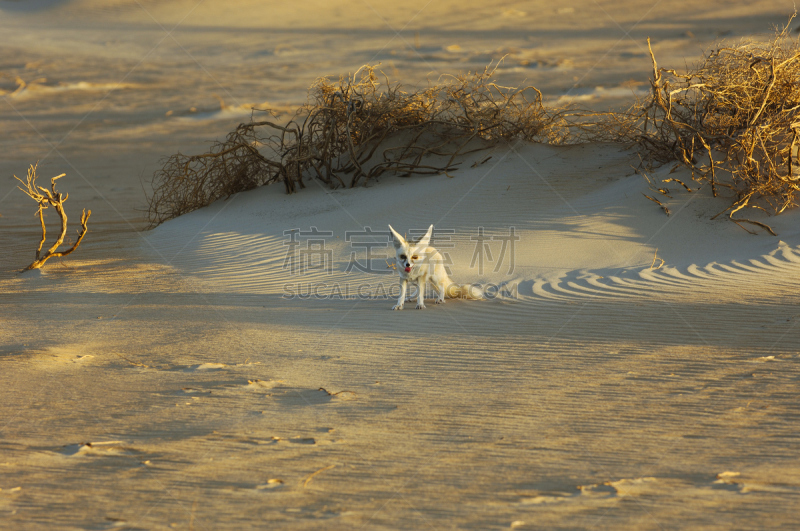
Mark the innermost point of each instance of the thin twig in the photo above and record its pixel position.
(655, 257)
(310, 477)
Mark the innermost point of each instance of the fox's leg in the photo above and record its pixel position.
(421, 295)
(402, 298)
(410, 295)
(438, 287)
(439, 281)
(440, 291)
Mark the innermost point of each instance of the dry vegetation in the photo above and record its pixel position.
(54, 198)
(732, 120)
(353, 131)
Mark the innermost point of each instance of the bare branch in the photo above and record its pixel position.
(53, 198)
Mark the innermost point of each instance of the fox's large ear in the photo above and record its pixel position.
(399, 241)
(425, 240)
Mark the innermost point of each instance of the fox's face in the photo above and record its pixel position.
(409, 254)
(406, 258)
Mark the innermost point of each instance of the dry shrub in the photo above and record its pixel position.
(353, 131)
(732, 120)
(50, 198)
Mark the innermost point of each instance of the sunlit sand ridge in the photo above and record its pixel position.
(240, 366)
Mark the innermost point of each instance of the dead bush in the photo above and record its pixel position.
(732, 120)
(351, 132)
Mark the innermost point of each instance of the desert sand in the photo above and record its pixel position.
(240, 366)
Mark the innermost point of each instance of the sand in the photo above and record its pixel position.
(239, 367)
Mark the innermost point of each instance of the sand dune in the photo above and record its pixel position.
(240, 366)
(584, 229)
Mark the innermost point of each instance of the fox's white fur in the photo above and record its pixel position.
(419, 263)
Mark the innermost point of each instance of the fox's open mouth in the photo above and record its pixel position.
(408, 269)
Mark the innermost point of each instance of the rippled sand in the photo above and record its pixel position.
(629, 371)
